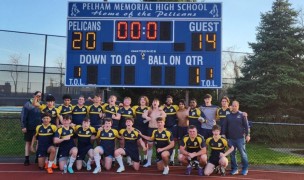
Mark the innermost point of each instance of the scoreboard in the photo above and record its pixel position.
(147, 44)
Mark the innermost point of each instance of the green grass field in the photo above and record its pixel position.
(12, 145)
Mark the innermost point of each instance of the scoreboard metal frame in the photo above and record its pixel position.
(146, 44)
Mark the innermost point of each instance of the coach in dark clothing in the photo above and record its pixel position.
(30, 118)
(235, 127)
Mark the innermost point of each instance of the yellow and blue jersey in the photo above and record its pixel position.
(161, 139)
(45, 134)
(130, 137)
(63, 132)
(93, 112)
(171, 118)
(64, 110)
(218, 146)
(107, 140)
(193, 144)
(109, 111)
(78, 114)
(125, 113)
(52, 111)
(84, 135)
(194, 115)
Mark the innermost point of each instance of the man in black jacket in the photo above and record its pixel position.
(30, 118)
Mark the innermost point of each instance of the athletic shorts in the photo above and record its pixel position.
(142, 129)
(64, 152)
(158, 155)
(82, 152)
(133, 153)
(214, 160)
(28, 136)
(42, 150)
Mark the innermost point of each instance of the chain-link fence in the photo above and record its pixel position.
(273, 146)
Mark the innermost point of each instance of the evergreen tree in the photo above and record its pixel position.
(273, 77)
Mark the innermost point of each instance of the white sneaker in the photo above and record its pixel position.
(147, 164)
(166, 171)
(120, 169)
(97, 170)
(89, 167)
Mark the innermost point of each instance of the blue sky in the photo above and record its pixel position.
(240, 20)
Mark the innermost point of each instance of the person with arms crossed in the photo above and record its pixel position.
(217, 158)
(235, 128)
(151, 115)
(193, 151)
(164, 145)
(67, 152)
(30, 119)
(46, 149)
(131, 137)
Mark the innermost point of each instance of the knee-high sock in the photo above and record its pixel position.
(149, 154)
(119, 160)
(97, 158)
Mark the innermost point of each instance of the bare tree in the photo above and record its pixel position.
(233, 62)
(60, 66)
(15, 62)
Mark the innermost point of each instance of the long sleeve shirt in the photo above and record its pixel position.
(235, 126)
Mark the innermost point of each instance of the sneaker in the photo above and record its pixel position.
(26, 162)
(166, 170)
(244, 172)
(54, 166)
(234, 172)
(200, 171)
(49, 170)
(70, 170)
(97, 170)
(89, 167)
(120, 169)
(171, 163)
(188, 170)
(84, 164)
(222, 171)
(144, 161)
(147, 165)
(217, 170)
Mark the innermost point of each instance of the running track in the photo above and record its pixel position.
(16, 171)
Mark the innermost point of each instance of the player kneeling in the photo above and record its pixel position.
(130, 136)
(85, 134)
(67, 149)
(193, 151)
(44, 135)
(107, 137)
(217, 159)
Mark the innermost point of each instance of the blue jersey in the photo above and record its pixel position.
(45, 134)
(93, 112)
(161, 139)
(171, 119)
(84, 135)
(107, 140)
(125, 113)
(78, 114)
(63, 132)
(194, 115)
